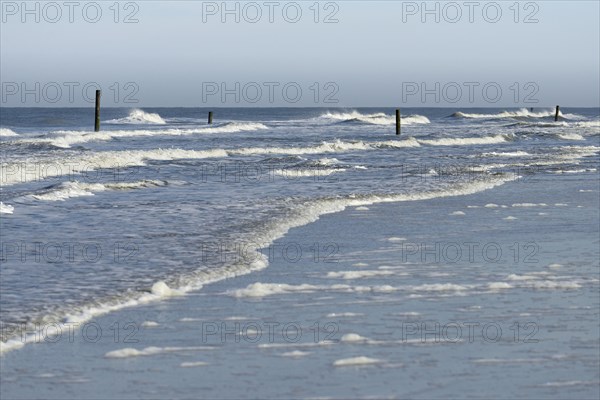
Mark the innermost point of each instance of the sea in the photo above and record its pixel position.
(300, 253)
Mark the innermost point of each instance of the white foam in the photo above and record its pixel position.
(558, 285)
(376, 118)
(506, 154)
(356, 361)
(457, 213)
(161, 289)
(360, 264)
(6, 208)
(193, 364)
(138, 116)
(5, 132)
(440, 287)
(499, 286)
(328, 161)
(259, 289)
(464, 141)
(362, 208)
(353, 338)
(307, 213)
(530, 205)
(523, 112)
(396, 239)
(292, 172)
(358, 274)
(588, 124)
(509, 218)
(129, 352)
(20, 172)
(68, 190)
(570, 136)
(65, 139)
(491, 205)
(344, 315)
(516, 277)
(150, 324)
(295, 354)
(570, 383)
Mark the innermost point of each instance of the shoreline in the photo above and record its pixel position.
(175, 329)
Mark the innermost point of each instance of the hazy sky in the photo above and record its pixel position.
(279, 53)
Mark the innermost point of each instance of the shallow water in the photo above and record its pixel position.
(493, 220)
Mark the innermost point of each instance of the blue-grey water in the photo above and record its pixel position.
(472, 217)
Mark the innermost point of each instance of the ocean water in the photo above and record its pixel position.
(391, 253)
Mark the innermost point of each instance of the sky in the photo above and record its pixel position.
(300, 54)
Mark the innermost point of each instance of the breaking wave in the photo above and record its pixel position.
(138, 116)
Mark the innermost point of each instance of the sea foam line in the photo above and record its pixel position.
(21, 172)
(303, 214)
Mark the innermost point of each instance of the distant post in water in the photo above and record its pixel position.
(97, 117)
(210, 117)
(556, 114)
(397, 121)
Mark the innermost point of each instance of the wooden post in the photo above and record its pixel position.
(556, 114)
(210, 117)
(97, 117)
(397, 121)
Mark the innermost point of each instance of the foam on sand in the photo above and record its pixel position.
(259, 289)
(356, 361)
(129, 352)
(357, 274)
(353, 338)
(301, 214)
(530, 205)
(295, 354)
(193, 364)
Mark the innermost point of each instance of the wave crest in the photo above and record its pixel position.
(5, 132)
(522, 113)
(375, 119)
(137, 116)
